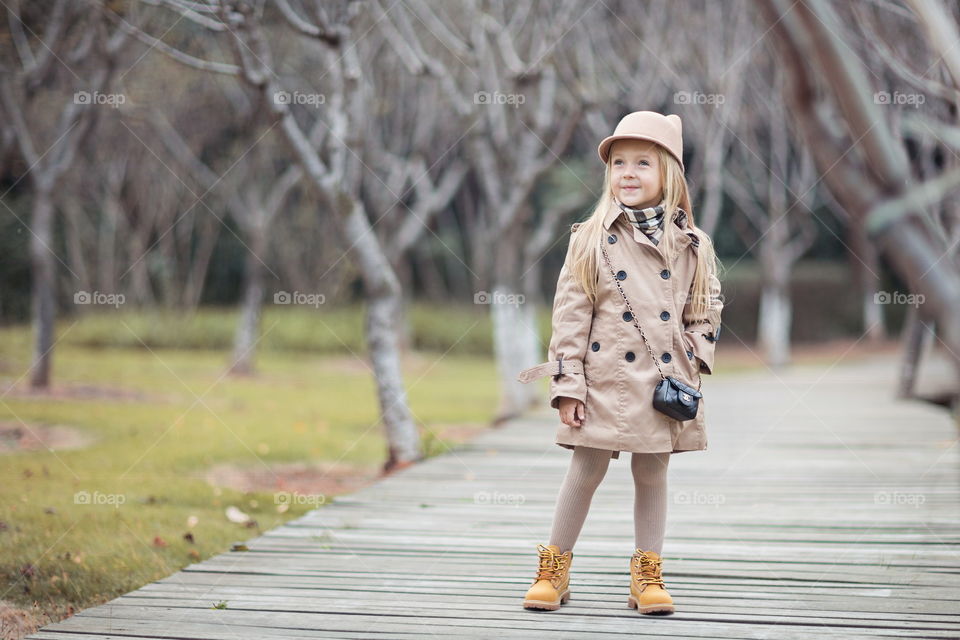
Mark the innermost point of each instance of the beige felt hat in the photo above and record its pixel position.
(667, 131)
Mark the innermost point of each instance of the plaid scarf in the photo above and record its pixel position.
(650, 219)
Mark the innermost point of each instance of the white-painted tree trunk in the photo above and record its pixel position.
(248, 327)
(774, 324)
(516, 346)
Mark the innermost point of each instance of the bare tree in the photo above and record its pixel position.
(774, 186)
(254, 200)
(864, 160)
(67, 56)
(502, 73)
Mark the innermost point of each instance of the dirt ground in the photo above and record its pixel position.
(18, 436)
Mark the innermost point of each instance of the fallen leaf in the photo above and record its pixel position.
(235, 515)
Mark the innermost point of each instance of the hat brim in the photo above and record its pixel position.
(604, 149)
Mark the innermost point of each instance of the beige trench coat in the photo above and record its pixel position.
(597, 355)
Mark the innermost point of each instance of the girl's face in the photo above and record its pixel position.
(635, 173)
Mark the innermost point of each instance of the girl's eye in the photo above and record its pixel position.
(644, 162)
(618, 162)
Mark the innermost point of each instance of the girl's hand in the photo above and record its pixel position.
(572, 412)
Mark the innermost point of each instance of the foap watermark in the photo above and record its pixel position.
(899, 498)
(299, 297)
(698, 97)
(907, 99)
(898, 297)
(109, 99)
(497, 97)
(699, 498)
(295, 497)
(298, 97)
(98, 498)
(498, 297)
(99, 298)
(498, 498)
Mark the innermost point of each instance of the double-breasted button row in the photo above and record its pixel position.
(665, 274)
(666, 357)
(630, 355)
(664, 315)
(612, 238)
(690, 355)
(621, 275)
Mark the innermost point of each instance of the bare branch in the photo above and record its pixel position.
(887, 159)
(172, 52)
(191, 11)
(943, 34)
(20, 41)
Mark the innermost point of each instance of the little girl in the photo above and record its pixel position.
(640, 240)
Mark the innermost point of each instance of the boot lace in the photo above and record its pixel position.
(647, 570)
(551, 564)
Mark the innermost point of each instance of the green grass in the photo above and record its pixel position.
(305, 405)
(463, 329)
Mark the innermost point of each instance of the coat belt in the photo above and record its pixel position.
(556, 367)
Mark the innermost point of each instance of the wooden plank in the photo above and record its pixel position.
(808, 516)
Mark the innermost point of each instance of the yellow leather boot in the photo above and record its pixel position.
(551, 587)
(647, 592)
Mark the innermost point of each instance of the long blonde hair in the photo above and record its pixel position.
(585, 253)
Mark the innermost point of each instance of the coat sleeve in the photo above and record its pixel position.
(703, 330)
(571, 323)
(572, 320)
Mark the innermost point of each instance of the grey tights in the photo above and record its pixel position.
(588, 466)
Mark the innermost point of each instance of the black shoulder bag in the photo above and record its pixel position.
(671, 397)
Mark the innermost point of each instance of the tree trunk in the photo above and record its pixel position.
(776, 309)
(866, 263)
(248, 328)
(44, 282)
(516, 343)
(912, 338)
(774, 322)
(384, 300)
(516, 346)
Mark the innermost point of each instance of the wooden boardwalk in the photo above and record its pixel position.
(823, 508)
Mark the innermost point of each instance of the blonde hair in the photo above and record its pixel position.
(585, 256)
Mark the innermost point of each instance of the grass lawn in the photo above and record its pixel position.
(82, 525)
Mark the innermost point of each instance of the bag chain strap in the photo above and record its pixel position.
(633, 316)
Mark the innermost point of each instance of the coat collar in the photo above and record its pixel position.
(683, 236)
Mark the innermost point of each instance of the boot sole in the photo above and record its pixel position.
(547, 606)
(654, 609)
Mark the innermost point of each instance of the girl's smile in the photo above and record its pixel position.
(635, 173)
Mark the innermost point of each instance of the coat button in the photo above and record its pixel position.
(621, 275)
(595, 346)
(627, 316)
(666, 357)
(664, 315)
(690, 354)
(665, 274)
(630, 356)
(611, 238)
